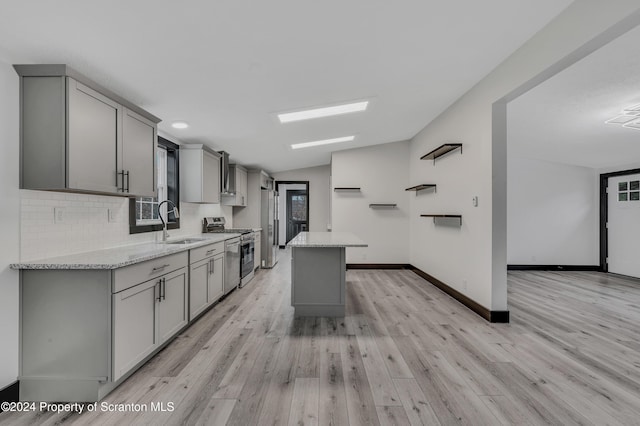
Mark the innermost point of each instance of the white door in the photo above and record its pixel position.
(624, 225)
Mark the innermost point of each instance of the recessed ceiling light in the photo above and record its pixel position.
(323, 112)
(179, 124)
(322, 142)
(621, 119)
(633, 125)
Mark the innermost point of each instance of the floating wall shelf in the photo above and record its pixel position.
(346, 189)
(441, 150)
(444, 216)
(382, 206)
(422, 186)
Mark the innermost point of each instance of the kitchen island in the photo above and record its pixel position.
(318, 269)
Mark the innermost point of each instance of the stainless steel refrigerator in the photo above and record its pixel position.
(270, 225)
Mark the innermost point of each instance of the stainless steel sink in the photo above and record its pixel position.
(185, 241)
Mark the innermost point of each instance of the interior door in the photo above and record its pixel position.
(297, 217)
(624, 225)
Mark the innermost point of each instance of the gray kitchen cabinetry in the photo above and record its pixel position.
(139, 140)
(206, 278)
(146, 316)
(237, 187)
(83, 331)
(77, 136)
(257, 253)
(199, 174)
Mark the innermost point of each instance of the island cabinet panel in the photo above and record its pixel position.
(318, 280)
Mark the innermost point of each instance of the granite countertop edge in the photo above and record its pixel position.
(324, 239)
(120, 256)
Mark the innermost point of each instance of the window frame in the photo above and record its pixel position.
(173, 190)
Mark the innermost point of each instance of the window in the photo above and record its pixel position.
(143, 211)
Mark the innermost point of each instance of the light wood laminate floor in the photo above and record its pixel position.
(405, 353)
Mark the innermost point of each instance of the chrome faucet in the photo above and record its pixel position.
(176, 213)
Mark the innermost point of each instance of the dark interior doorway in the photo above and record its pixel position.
(297, 213)
(294, 209)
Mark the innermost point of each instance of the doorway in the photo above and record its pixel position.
(297, 213)
(620, 223)
(293, 209)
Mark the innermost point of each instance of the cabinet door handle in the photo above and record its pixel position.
(164, 288)
(212, 266)
(126, 174)
(120, 174)
(159, 298)
(159, 268)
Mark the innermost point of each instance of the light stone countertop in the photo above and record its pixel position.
(119, 257)
(326, 239)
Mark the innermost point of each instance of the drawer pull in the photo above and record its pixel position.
(211, 251)
(159, 268)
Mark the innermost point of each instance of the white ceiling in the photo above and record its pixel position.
(563, 119)
(227, 66)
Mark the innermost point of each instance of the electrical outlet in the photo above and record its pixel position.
(58, 215)
(475, 201)
(111, 215)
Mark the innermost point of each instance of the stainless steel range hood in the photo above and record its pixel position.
(224, 173)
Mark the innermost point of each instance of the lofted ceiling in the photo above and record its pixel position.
(227, 66)
(563, 119)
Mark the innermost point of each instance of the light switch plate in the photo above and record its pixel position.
(475, 201)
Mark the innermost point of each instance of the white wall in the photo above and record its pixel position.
(319, 182)
(9, 223)
(473, 259)
(282, 209)
(552, 213)
(382, 173)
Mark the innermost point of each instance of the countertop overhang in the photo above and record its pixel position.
(326, 239)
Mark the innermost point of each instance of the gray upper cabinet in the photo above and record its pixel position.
(199, 174)
(78, 136)
(139, 136)
(92, 139)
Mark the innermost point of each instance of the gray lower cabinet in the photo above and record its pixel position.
(206, 278)
(82, 332)
(145, 317)
(257, 253)
(77, 136)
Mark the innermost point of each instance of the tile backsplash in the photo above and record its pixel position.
(57, 223)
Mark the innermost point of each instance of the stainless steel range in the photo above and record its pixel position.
(247, 249)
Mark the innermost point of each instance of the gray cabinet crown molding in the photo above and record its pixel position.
(62, 70)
